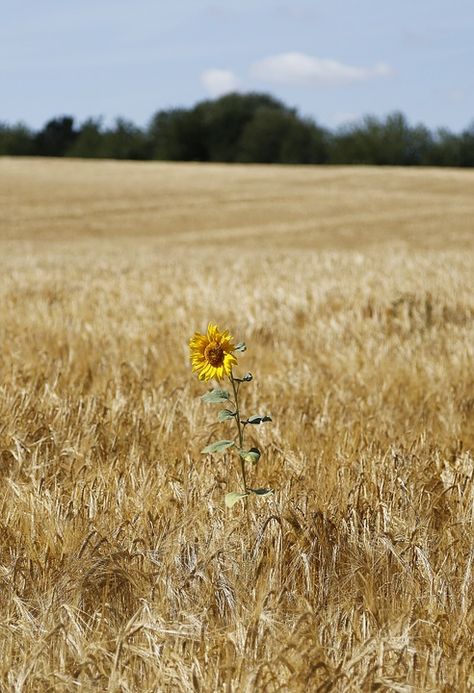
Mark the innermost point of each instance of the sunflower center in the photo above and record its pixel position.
(214, 354)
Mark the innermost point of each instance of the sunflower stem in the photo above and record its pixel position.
(239, 428)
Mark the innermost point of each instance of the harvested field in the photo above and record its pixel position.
(121, 569)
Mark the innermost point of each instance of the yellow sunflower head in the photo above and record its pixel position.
(211, 354)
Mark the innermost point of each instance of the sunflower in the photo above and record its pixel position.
(211, 354)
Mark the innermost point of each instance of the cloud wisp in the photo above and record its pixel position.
(299, 69)
(219, 82)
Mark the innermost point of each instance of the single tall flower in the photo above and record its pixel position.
(211, 354)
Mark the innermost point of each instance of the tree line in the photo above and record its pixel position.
(246, 128)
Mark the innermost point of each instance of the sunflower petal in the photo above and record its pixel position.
(211, 354)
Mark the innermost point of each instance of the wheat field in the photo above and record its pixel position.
(121, 569)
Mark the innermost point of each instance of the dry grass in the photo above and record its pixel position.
(120, 568)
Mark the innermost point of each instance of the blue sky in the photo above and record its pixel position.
(334, 60)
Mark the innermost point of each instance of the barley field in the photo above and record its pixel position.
(121, 569)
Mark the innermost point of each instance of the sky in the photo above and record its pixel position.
(333, 60)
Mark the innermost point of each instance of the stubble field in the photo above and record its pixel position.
(120, 567)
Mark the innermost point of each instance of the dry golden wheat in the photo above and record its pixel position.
(120, 567)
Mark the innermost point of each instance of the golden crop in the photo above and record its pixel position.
(120, 567)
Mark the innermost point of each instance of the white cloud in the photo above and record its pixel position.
(306, 70)
(219, 82)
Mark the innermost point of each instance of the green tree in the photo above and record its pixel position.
(251, 127)
(276, 136)
(16, 140)
(466, 146)
(124, 141)
(89, 140)
(225, 119)
(304, 143)
(177, 135)
(212, 130)
(390, 142)
(57, 136)
(261, 140)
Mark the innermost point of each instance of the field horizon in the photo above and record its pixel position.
(121, 567)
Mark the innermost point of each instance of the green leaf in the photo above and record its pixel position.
(230, 499)
(241, 346)
(252, 455)
(261, 491)
(215, 396)
(226, 414)
(257, 419)
(218, 446)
